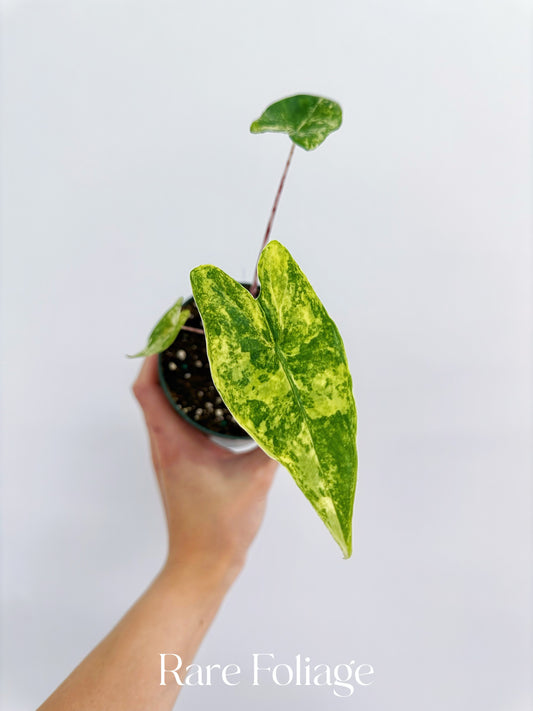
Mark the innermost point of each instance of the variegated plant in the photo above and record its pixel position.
(276, 357)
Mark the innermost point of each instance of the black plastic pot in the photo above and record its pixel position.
(185, 377)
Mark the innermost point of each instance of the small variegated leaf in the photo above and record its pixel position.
(308, 120)
(280, 366)
(165, 331)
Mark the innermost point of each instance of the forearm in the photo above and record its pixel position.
(123, 673)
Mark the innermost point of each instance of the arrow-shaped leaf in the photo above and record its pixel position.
(279, 363)
(165, 331)
(307, 119)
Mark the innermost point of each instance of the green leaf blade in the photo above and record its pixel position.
(307, 119)
(165, 331)
(280, 366)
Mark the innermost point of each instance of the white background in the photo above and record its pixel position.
(126, 162)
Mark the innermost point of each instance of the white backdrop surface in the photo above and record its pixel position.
(126, 161)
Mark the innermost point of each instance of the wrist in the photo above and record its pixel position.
(214, 574)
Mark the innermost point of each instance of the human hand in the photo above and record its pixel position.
(214, 499)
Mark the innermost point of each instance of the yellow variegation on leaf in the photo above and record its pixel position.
(280, 366)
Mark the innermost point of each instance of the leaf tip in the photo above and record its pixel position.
(197, 276)
(346, 548)
(194, 272)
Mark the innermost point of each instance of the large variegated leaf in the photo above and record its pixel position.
(279, 363)
(307, 119)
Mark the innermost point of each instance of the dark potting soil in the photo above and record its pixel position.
(188, 378)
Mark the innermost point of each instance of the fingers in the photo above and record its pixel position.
(169, 433)
(257, 457)
(260, 466)
(156, 459)
(146, 380)
(171, 437)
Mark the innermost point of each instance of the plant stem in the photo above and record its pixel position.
(192, 329)
(253, 289)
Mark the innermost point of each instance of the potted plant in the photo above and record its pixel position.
(265, 359)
